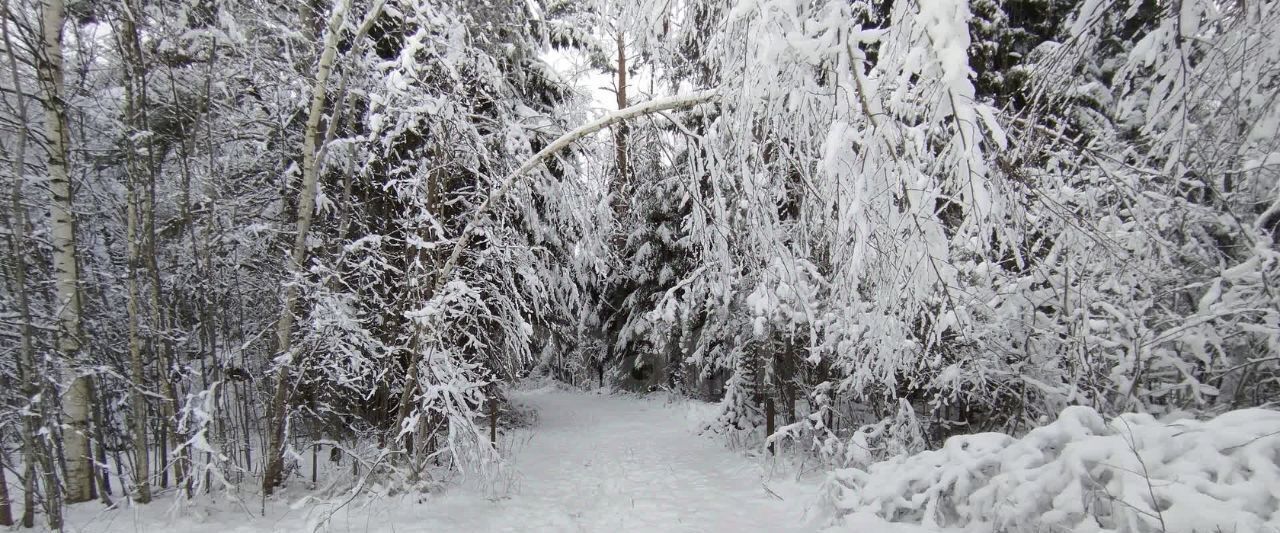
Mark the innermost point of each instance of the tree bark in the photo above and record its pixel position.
(101, 472)
(621, 132)
(28, 487)
(493, 421)
(138, 400)
(165, 356)
(6, 510)
(145, 201)
(162, 452)
(137, 367)
(75, 401)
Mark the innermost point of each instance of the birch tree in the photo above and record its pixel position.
(277, 413)
(311, 146)
(75, 400)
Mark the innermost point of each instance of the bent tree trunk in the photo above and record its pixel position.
(75, 401)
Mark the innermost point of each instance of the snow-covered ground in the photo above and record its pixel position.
(592, 462)
(614, 463)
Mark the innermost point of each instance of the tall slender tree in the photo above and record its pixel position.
(134, 79)
(76, 397)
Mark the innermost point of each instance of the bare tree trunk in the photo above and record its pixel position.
(203, 268)
(159, 325)
(6, 511)
(621, 132)
(101, 473)
(145, 211)
(28, 485)
(75, 402)
(160, 343)
(162, 453)
(493, 419)
(53, 494)
(278, 409)
(138, 400)
(420, 258)
(137, 368)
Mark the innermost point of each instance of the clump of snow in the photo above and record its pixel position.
(1082, 473)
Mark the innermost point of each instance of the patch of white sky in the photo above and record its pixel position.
(575, 68)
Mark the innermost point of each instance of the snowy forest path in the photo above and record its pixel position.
(597, 462)
(589, 463)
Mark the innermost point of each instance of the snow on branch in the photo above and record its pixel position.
(621, 115)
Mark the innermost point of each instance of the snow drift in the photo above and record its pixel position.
(1083, 473)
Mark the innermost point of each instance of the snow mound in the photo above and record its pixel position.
(1083, 474)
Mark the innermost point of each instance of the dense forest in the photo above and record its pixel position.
(239, 234)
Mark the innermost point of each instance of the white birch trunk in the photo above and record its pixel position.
(306, 208)
(75, 401)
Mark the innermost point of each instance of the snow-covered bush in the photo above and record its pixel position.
(1084, 473)
(981, 211)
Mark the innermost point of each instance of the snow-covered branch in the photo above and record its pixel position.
(581, 132)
